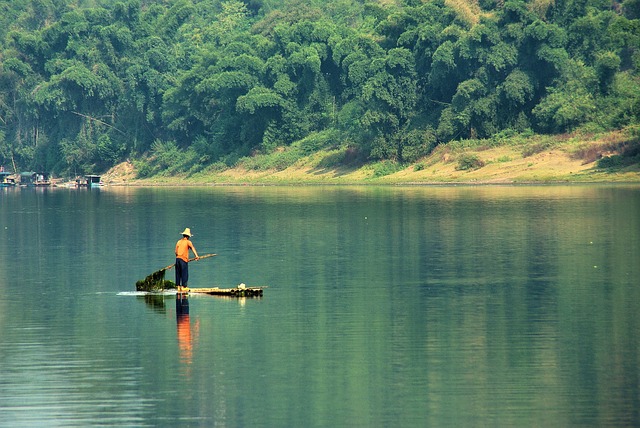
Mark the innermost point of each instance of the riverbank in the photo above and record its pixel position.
(538, 160)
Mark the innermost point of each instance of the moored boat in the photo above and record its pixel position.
(89, 181)
(37, 179)
(6, 179)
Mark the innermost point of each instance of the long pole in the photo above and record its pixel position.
(199, 258)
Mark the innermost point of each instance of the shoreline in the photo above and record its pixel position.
(562, 160)
(533, 174)
(625, 179)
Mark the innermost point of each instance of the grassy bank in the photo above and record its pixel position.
(610, 157)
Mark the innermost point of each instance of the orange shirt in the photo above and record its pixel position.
(182, 249)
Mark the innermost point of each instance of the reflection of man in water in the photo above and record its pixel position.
(185, 335)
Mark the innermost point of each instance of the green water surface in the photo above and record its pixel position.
(386, 307)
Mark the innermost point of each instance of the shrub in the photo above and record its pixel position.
(615, 161)
(537, 147)
(630, 154)
(166, 159)
(417, 144)
(467, 162)
(511, 137)
(314, 142)
(386, 167)
(278, 160)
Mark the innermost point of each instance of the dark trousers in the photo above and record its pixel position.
(182, 272)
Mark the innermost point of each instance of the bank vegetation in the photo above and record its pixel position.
(570, 158)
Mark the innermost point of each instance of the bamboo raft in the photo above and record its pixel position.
(239, 291)
(156, 283)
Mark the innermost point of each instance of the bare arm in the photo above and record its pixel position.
(193, 248)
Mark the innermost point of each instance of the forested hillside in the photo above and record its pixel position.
(186, 84)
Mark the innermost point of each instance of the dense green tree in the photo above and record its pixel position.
(389, 96)
(570, 101)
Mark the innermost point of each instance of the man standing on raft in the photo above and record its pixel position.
(182, 259)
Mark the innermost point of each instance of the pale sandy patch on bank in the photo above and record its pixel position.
(501, 165)
(120, 174)
(293, 174)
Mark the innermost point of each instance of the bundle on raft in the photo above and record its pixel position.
(155, 282)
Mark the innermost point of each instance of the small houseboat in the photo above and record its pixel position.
(6, 180)
(89, 181)
(37, 179)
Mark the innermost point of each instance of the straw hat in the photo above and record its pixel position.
(187, 232)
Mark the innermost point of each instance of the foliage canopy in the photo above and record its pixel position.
(186, 84)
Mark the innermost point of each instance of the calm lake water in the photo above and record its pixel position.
(386, 307)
